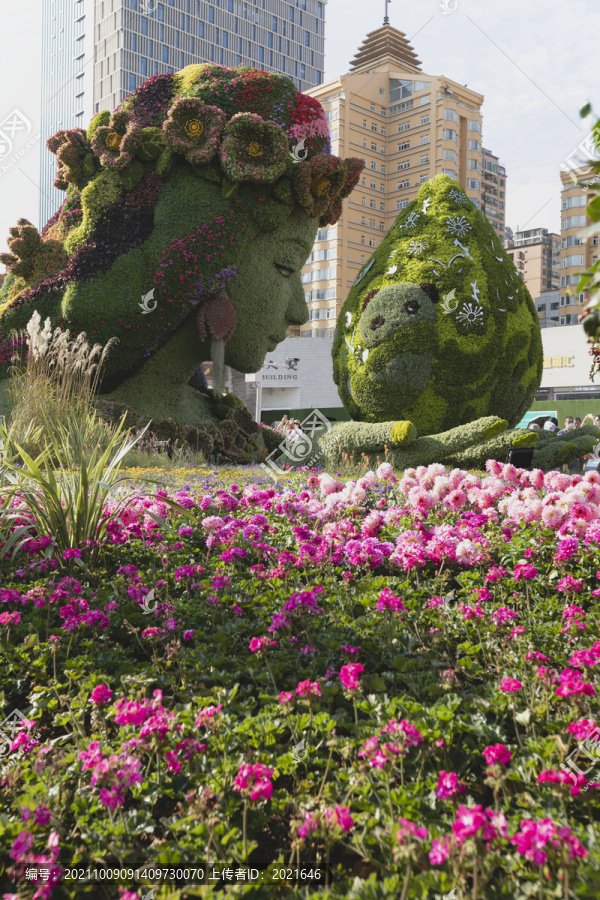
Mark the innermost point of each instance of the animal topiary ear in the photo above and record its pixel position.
(429, 288)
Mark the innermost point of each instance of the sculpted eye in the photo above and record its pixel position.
(284, 271)
(411, 306)
(377, 322)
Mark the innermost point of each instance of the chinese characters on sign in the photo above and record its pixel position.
(559, 362)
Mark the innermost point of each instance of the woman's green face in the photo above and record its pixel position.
(267, 291)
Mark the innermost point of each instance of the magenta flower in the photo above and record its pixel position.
(263, 643)
(448, 785)
(255, 780)
(308, 688)
(308, 827)
(286, 697)
(525, 571)
(568, 584)
(439, 852)
(194, 129)
(468, 822)
(388, 600)
(72, 553)
(345, 820)
(408, 828)
(101, 695)
(349, 675)
(209, 712)
(510, 685)
(497, 753)
(22, 844)
(188, 635)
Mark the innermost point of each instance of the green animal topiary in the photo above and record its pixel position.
(438, 328)
(190, 212)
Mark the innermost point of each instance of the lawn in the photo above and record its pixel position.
(378, 688)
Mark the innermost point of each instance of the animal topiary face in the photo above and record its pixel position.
(438, 328)
(202, 193)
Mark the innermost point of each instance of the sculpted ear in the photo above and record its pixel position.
(429, 288)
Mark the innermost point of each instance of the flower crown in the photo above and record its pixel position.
(245, 148)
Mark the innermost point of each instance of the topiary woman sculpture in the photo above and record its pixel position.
(189, 214)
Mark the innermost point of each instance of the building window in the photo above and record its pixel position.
(424, 159)
(144, 26)
(161, 13)
(143, 67)
(424, 139)
(373, 165)
(364, 201)
(307, 39)
(373, 186)
(373, 126)
(165, 54)
(405, 145)
(401, 204)
(473, 145)
(201, 29)
(449, 134)
(362, 238)
(424, 120)
(381, 226)
(403, 184)
(372, 242)
(373, 204)
(404, 127)
(405, 164)
(452, 155)
(474, 125)
(131, 82)
(211, 14)
(134, 42)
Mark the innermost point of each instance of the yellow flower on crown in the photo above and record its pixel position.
(254, 149)
(194, 128)
(113, 140)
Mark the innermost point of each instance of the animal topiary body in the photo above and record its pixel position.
(438, 328)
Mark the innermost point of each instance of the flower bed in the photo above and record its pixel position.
(395, 677)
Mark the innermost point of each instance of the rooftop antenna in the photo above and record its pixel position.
(386, 18)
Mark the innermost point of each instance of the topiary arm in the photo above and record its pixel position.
(356, 438)
(496, 448)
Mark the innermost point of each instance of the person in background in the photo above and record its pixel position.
(283, 425)
(569, 425)
(550, 426)
(533, 426)
(577, 421)
(590, 418)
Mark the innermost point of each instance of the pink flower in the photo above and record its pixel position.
(448, 785)
(410, 828)
(112, 797)
(42, 815)
(257, 644)
(526, 572)
(308, 688)
(510, 685)
(188, 635)
(101, 695)
(388, 600)
(22, 844)
(72, 554)
(468, 821)
(255, 779)
(286, 697)
(497, 753)
(345, 820)
(209, 712)
(308, 826)
(532, 839)
(582, 728)
(439, 852)
(349, 675)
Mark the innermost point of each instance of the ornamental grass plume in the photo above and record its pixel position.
(57, 376)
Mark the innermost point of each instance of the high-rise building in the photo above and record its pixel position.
(536, 255)
(409, 126)
(577, 254)
(95, 52)
(493, 192)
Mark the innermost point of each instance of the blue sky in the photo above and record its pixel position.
(535, 61)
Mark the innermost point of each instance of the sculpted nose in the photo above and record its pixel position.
(297, 310)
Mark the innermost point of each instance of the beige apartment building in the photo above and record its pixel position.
(576, 254)
(493, 192)
(409, 126)
(536, 255)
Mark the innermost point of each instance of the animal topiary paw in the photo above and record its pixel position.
(403, 432)
(495, 429)
(526, 440)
